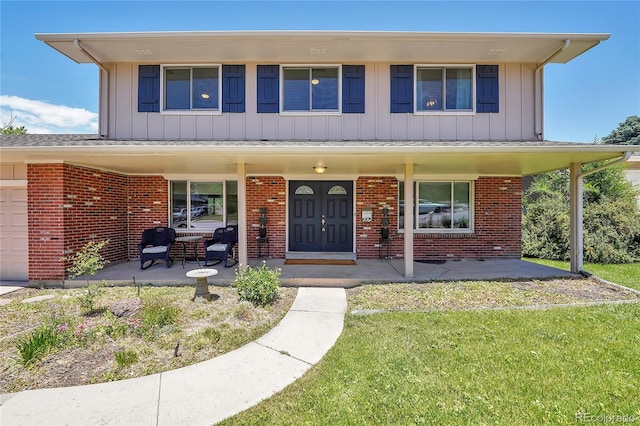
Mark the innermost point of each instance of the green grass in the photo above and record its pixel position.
(469, 367)
(627, 274)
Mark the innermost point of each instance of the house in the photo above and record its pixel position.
(326, 130)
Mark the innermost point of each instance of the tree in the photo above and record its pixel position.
(627, 133)
(10, 129)
(611, 220)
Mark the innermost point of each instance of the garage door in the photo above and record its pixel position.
(14, 246)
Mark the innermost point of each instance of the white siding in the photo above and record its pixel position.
(513, 122)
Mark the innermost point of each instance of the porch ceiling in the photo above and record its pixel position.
(320, 46)
(340, 158)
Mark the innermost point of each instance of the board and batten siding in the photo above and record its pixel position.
(514, 121)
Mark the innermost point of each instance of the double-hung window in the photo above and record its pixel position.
(440, 206)
(311, 88)
(444, 88)
(188, 88)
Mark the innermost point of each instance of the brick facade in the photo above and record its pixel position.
(376, 193)
(269, 192)
(69, 205)
(148, 206)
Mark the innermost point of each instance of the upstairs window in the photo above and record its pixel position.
(310, 89)
(444, 88)
(192, 88)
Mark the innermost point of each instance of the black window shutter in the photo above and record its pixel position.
(149, 88)
(353, 89)
(268, 97)
(487, 96)
(401, 88)
(233, 88)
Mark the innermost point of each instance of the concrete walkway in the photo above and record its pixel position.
(200, 394)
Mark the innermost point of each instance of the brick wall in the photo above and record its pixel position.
(269, 192)
(148, 206)
(375, 193)
(69, 206)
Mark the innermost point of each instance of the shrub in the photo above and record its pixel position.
(612, 232)
(611, 220)
(257, 285)
(545, 229)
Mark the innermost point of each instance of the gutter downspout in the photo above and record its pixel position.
(106, 72)
(537, 118)
(576, 250)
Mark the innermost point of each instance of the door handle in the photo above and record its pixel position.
(323, 222)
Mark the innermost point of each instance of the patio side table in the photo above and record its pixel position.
(184, 241)
(202, 285)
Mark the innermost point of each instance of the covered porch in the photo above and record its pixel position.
(364, 271)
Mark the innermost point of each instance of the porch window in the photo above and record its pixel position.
(192, 88)
(448, 88)
(443, 206)
(311, 89)
(203, 205)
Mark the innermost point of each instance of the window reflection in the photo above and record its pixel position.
(203, 205)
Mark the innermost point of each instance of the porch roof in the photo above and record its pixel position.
(320, 46)
(367, 157)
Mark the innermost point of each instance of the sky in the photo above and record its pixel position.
(585, 99)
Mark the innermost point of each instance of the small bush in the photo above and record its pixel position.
(257, 285)
(126, 357)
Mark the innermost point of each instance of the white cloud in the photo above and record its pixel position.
(43, 117)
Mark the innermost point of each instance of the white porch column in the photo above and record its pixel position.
(575, 218)
(408, 220)
(243, 257)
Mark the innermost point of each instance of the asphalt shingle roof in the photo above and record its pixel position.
(88, 140)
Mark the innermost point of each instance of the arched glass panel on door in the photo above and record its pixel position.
(304, 190)
(337, 190)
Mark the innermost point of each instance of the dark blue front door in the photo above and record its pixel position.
(321, 216)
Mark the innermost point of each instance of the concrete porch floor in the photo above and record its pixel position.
(365, 271)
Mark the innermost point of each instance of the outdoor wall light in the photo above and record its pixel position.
(319, 169)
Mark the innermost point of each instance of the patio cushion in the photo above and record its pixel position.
(155, 249)
(217, 247)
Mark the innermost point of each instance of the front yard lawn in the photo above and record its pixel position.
(476, 366)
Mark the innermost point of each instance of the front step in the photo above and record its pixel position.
(321, 255)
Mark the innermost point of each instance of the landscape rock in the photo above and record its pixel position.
(126, 307)
(38, 298)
